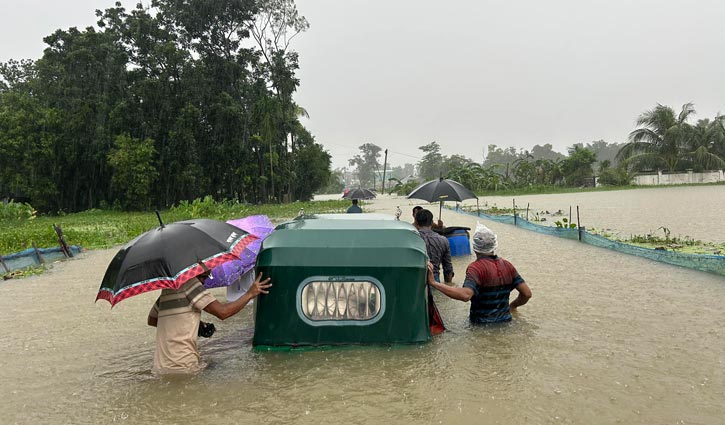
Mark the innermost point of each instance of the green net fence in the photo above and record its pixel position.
(703, 262)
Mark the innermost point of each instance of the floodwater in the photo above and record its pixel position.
(692, 211)
(607, 338)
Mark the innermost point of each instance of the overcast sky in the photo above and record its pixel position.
(403, 73)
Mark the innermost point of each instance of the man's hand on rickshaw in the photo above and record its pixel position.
(429, 274)
(260, 286)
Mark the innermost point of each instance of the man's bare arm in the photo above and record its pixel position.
(225, 310)
(461, 294)
(523, 298)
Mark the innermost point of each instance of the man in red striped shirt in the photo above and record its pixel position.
(489, 282)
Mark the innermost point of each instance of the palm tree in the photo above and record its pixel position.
(661, 140)
(706, 142)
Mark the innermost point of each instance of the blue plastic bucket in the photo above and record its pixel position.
(460, 243)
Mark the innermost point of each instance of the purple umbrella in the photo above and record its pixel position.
(230, 272)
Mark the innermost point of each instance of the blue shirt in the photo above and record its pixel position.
(354, 209)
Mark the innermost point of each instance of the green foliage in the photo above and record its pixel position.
(336, 182)
(653, 240)
(564, 224)
(618, 176)
(207, 207)
(366, 163)
(496, 156)
(404, 189)
(133, 172)
(95, 229)
(16, 211)
(666, 140)
(577, 168)
(431, 165)
(312, 170)
(158, 104)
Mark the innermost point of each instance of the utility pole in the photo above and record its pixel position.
(385, 166)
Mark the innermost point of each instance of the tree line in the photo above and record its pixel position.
(663, 140)
(158, 104)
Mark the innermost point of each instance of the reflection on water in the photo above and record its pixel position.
(607, 338)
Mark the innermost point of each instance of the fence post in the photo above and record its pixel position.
(514, 202)
(61, 241)
(40, 257)
(570, 214)
(578, 223)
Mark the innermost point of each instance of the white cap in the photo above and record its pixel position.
(484, 240)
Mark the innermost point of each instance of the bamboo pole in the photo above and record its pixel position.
(5, 266)
(527, 211)
(514, 203)
(40, 257)
(578, 223)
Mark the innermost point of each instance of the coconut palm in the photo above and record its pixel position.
(706, 143)
(661, 140)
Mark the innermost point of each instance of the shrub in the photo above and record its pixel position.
(16, 211)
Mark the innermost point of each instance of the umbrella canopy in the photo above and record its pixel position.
(442, 190)
(230, 272)
(359, 194)
(170, 255)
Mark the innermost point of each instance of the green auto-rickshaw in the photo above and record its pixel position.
(343, 279)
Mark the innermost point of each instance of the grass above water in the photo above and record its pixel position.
(97, 229)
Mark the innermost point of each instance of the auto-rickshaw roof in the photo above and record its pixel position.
(363, 239)
(346, 221)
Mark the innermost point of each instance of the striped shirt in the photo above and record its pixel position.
(439, 252)
(178, 312)
(492, 279)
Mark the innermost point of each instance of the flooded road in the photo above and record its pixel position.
(607, 338)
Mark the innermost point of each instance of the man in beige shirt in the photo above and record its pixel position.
(176, 316)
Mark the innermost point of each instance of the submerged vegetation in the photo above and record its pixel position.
(665, 242)
(660, 239)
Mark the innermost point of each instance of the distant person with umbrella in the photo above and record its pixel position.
(439, 250)
(488, 283)
(441, 190)
(176, 315)
(354, 208)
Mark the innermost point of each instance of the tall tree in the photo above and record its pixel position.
(661, 139)
(577, 168)
(367, 163)
(706, 144)
(183, 74)
(431, 165)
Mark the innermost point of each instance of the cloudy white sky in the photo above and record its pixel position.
(403, 73)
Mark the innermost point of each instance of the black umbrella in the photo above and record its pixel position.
(442, 190)
(360, 194)
(170, 255)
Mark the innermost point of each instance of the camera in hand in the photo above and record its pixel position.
(206, 330)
